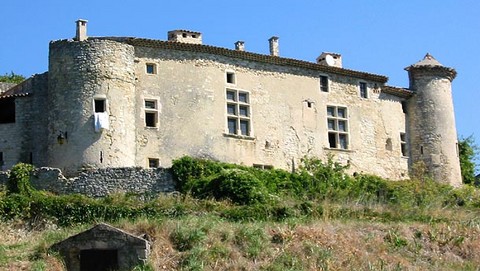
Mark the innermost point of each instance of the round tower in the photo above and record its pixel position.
(91, 104)
(431, 120)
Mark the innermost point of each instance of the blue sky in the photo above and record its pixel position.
(381, 37)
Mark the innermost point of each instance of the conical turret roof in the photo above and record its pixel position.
(430, 64)
(428, 60)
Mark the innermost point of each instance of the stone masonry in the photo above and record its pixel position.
(116, 102)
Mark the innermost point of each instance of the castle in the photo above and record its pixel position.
(134, 102)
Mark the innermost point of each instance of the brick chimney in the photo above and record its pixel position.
(81, 30)
(240, 46)
(274, 51)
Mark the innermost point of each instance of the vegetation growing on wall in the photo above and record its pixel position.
(11, 78)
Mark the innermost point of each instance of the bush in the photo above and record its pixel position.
(19, 179)
(239, 186)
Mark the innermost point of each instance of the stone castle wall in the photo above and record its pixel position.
(79, 73)
(190, 89)
(102, 182)
(24, 140)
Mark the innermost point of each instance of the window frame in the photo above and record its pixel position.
(148, 111)
(324, 87)
(238, 113)
(403, 144)
(338, 139)
(153, 66)
(363, 90)
(230, 77)
(104, 104)
(156, 162)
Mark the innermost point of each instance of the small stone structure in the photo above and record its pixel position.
(103, 247)
(102, 182)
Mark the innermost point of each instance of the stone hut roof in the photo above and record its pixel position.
(129, 250)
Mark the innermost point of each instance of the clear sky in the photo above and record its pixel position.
(376, 36)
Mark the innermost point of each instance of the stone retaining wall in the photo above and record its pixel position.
(102, 182)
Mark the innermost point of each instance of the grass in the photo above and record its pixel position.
(339, 240)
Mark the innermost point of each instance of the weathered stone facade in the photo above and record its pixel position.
(165, 99)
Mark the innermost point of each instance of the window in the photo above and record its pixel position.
(337, 121)
(7, 110)
(238, 112)
(151, 68)
(363, 90)
(230, 77)
(324, 83)
(153, 162)
(2, 162)
(403, 144)
(99, 105)
(151, 113)
(261, 166)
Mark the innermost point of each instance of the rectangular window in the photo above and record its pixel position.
(153, 162)
(337, 120)
(7, 110)
(151, 113)
(2, 162)
(100, 105)
(151, 68)
(238, 112)
(324, 83)
(231, 77)
(403, 144)
(363, 90)
(261, 166)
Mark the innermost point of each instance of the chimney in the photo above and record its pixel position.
(330, 59)
(240, 46)
(81, 30)
(273, 46)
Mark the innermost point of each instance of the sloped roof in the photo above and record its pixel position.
(275, 60)
(430, 64)
(397, 91)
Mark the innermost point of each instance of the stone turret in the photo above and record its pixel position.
(431, 120)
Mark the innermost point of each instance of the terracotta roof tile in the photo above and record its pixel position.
(397, 91)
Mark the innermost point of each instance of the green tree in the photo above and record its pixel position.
(467, 152)
(11, 78)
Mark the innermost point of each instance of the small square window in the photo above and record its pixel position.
(231, 96)
(363, 90)
(331, 111)
(153, 162)
(230, 77)
(99, 105)
(151, 68)
(243, 97)
(231, 109)
(243, 111)
(341, 113)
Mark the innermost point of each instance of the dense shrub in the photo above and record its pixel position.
(19, 179)
(239, 186)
